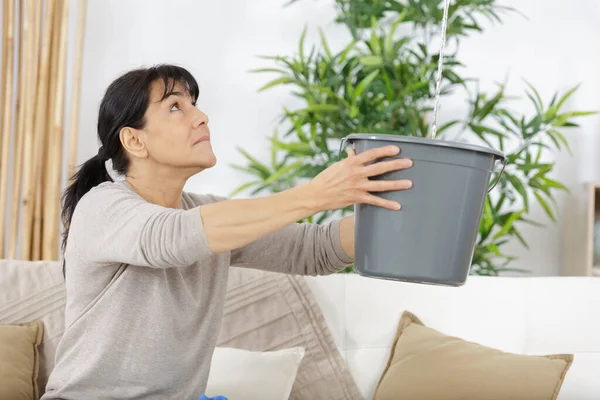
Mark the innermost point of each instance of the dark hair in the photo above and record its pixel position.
(124, 105)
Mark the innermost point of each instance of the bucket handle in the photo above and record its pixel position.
(343, 143)
(504, 160)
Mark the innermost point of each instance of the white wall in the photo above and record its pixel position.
(219, 40)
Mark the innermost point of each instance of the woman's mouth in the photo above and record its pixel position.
(204, 138)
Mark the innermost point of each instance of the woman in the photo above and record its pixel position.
(146, 263)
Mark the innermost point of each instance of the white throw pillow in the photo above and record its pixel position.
(248, 375)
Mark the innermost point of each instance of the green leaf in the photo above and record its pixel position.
(274, 149)
(297, 125)
(545, 206)
(282, 171)
(488, 214)
(374, 43)
(258, 190)
(447, 125)
(244, 187)
(512, 118)
(388, 86)
(508, 224)
(532, 222)
(304, 149)
(518, 235)
(519, 187)
(551, 113)
(371, 61)
(317, 108)
(489, 106)
(364, 84)
(324, 43)
(344, 54)
(322, 218)
(561, 137)
(480, 129)
(301, 46)
(535, 184)
(566, 96)
(543, 170)
(539, 144)
(255, 163)
(532, 127)
(554, 184)
(280, 71)
(390, 36)
(313, 132)
(332, 95)
(414, 87)
(494, 249)
(528, 167)
(279, 81)
(538, 155)
(555, 141)
(500, 201)
(539, 103)
(250, 170)
(576, 114)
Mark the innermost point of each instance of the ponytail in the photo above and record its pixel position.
(92, 173)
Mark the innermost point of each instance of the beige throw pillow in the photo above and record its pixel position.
(267, 311)
(19, 360)
(426, 364)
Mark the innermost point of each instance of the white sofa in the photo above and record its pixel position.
(541, 315)
(521, 315)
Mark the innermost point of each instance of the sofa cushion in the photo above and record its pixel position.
(19, 360)
(567, 307)
(485, 310)
(267, 311)
(35, 291)
(253, 375)
(582, 383)
(427, 364)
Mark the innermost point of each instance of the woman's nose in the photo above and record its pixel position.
(199, 119)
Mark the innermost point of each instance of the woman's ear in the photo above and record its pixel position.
(133, 142)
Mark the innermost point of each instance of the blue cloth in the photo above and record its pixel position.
(203, 397)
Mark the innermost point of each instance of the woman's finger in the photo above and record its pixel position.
(376, 153)
(387, 186)
(380, 202)
(386, 166)
(350, 151)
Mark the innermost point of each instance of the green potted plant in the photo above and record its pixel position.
(383, 81)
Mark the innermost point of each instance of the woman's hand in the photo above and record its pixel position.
(347, 182)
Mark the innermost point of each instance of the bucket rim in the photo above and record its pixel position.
(427, 141)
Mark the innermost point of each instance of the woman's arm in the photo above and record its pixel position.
(347, 235)
(232, 224)
(113, 225)
(298, 249)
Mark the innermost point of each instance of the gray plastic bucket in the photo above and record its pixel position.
(431, 240)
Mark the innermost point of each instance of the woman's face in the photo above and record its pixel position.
(176, 133)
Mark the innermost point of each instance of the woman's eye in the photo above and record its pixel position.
(175, 107)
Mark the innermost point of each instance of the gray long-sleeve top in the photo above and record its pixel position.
(145, 293)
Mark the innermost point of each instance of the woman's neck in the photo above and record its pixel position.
(157, 189)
